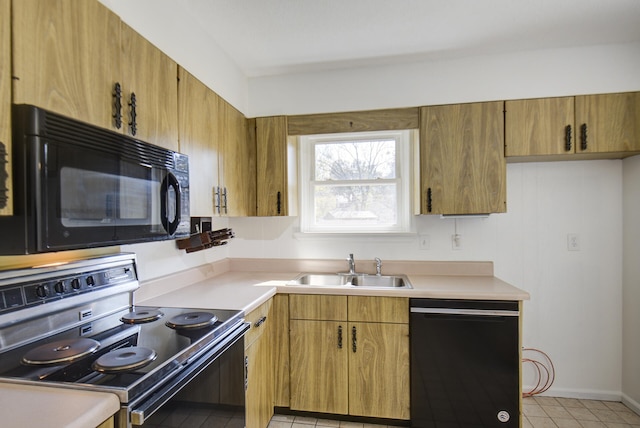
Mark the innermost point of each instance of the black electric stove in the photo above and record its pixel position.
(75, 326)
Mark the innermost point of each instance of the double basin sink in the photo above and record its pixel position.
(351, 280)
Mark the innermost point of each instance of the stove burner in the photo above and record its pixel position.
(124, 360)
(60, 352)
(192, 320)
(142, 316)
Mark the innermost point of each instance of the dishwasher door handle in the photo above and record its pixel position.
(474, 312)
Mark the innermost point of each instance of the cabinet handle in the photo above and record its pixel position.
(354, 339)
(117, 105)
(429, 200)
(339, 337)
(260, 322)
(4, 197)
(279, 203)
(246, 372)
(567, 143)
(583, 136)
(216, 199)
(224, 199)
(133, 124)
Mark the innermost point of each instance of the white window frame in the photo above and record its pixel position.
(404, 172)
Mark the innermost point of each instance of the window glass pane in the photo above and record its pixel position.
(355, 160)
(362, 205)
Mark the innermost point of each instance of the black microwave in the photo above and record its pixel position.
(80, 186)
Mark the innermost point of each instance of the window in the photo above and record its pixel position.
(355, 183)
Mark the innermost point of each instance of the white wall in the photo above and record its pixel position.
(631, 283)
(575, 309)
(587, 70)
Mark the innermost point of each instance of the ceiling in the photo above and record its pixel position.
(267, 37)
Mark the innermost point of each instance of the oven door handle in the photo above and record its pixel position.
(142, 411)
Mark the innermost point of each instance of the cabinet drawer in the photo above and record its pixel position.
(317, 307)
(379, 309)
(258, 318)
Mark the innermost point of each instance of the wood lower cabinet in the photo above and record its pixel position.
(580, 127)
(462, 165)
(350, 355)
(259, 367)
(6, 180)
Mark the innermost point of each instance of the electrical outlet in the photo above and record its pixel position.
(424, 242)
(573, 242)
(456, 241)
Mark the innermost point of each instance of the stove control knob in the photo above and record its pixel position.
(41, 291)
(90, 281)
(75, 284)
(59, 287)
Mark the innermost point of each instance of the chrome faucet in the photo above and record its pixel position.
(378, 266)
(352, 265)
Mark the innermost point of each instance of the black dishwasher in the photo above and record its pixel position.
(465, 363)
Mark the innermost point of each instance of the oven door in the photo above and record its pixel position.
(214, 380)
(95, 197)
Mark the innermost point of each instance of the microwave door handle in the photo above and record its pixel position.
(169, 181)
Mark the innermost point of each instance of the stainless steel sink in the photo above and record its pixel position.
(348, 280)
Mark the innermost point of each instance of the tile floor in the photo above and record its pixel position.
(538, 412)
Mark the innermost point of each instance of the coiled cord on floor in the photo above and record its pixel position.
(546, 372)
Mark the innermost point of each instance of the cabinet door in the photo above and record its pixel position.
(152, 77)
(281, 350)
(541, 126)
(6, 195)
(66, 57)
(259, 368)
(271, 166)
(608, 123)
(319, 370)
(236, 163)
(462, 159)
(197, 109)
(379, 370)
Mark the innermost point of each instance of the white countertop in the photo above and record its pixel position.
(41, 406)
(241, 285)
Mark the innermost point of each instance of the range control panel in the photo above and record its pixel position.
(17, 296)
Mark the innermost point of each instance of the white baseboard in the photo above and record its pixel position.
(586, 394)
(631, 403)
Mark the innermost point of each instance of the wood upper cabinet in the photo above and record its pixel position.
(462, 163)
(198, 127)
(604, 125)
(271, 166)
(237, 156)
(542, 126)
(608, 123)
(67, 58)
(350, 355)
(6, 195)
(150, 84)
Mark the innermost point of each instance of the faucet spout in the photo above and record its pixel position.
(352, 265)
(378, 266)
